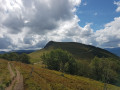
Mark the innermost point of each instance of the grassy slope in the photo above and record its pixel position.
(44, 79)
(79, 51)
(35, 56)
(4, 74)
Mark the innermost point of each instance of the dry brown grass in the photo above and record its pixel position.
(44, 79)
(4, 74)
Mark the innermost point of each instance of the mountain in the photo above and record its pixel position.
(2, 52)
(18, 51)
(23, 51)
(37, 77)
(116, 51)
(78, 50)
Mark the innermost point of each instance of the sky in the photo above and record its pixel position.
(31, 24)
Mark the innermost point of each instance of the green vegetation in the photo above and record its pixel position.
(105, 69)
(85, 63)
(102, 69)
(60, 60)
(5, 79)
(24, 58)
(44, 79)
(35, 56)
(78, 50)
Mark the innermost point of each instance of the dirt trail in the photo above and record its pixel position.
(11, 71)
(17, 81)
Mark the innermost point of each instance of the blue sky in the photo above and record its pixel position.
(98, 12)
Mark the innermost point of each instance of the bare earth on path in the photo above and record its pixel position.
(17, 81)
(11, 71)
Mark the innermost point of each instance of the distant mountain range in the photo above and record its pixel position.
(18, 51)
(2, 52)
(115, 51)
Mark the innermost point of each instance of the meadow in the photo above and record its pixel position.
(4, 74)
(38, 78)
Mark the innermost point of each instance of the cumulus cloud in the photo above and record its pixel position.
(75, 2)
(5, 43)
(71, 31)
(23, 21)
(110, 35)
(118, 5)
(30, 25)
(38, 15)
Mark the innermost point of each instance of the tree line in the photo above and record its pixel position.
(106, 70)
(24, 58)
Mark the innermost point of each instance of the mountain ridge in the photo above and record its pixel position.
(78, 50)
(82, 48)
(18, 51)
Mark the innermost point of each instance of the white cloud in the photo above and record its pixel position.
(110, 35)
(71, 31)
(5, 42)
(40, 16)
(118, 5)
(75, 2)
(30, 25)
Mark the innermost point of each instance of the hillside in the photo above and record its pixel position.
(10, 77)
(78, 50)
(44, 79)
(4, 74)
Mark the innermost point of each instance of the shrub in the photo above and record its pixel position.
(24, 58)
(102, 69)
(60, 60)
